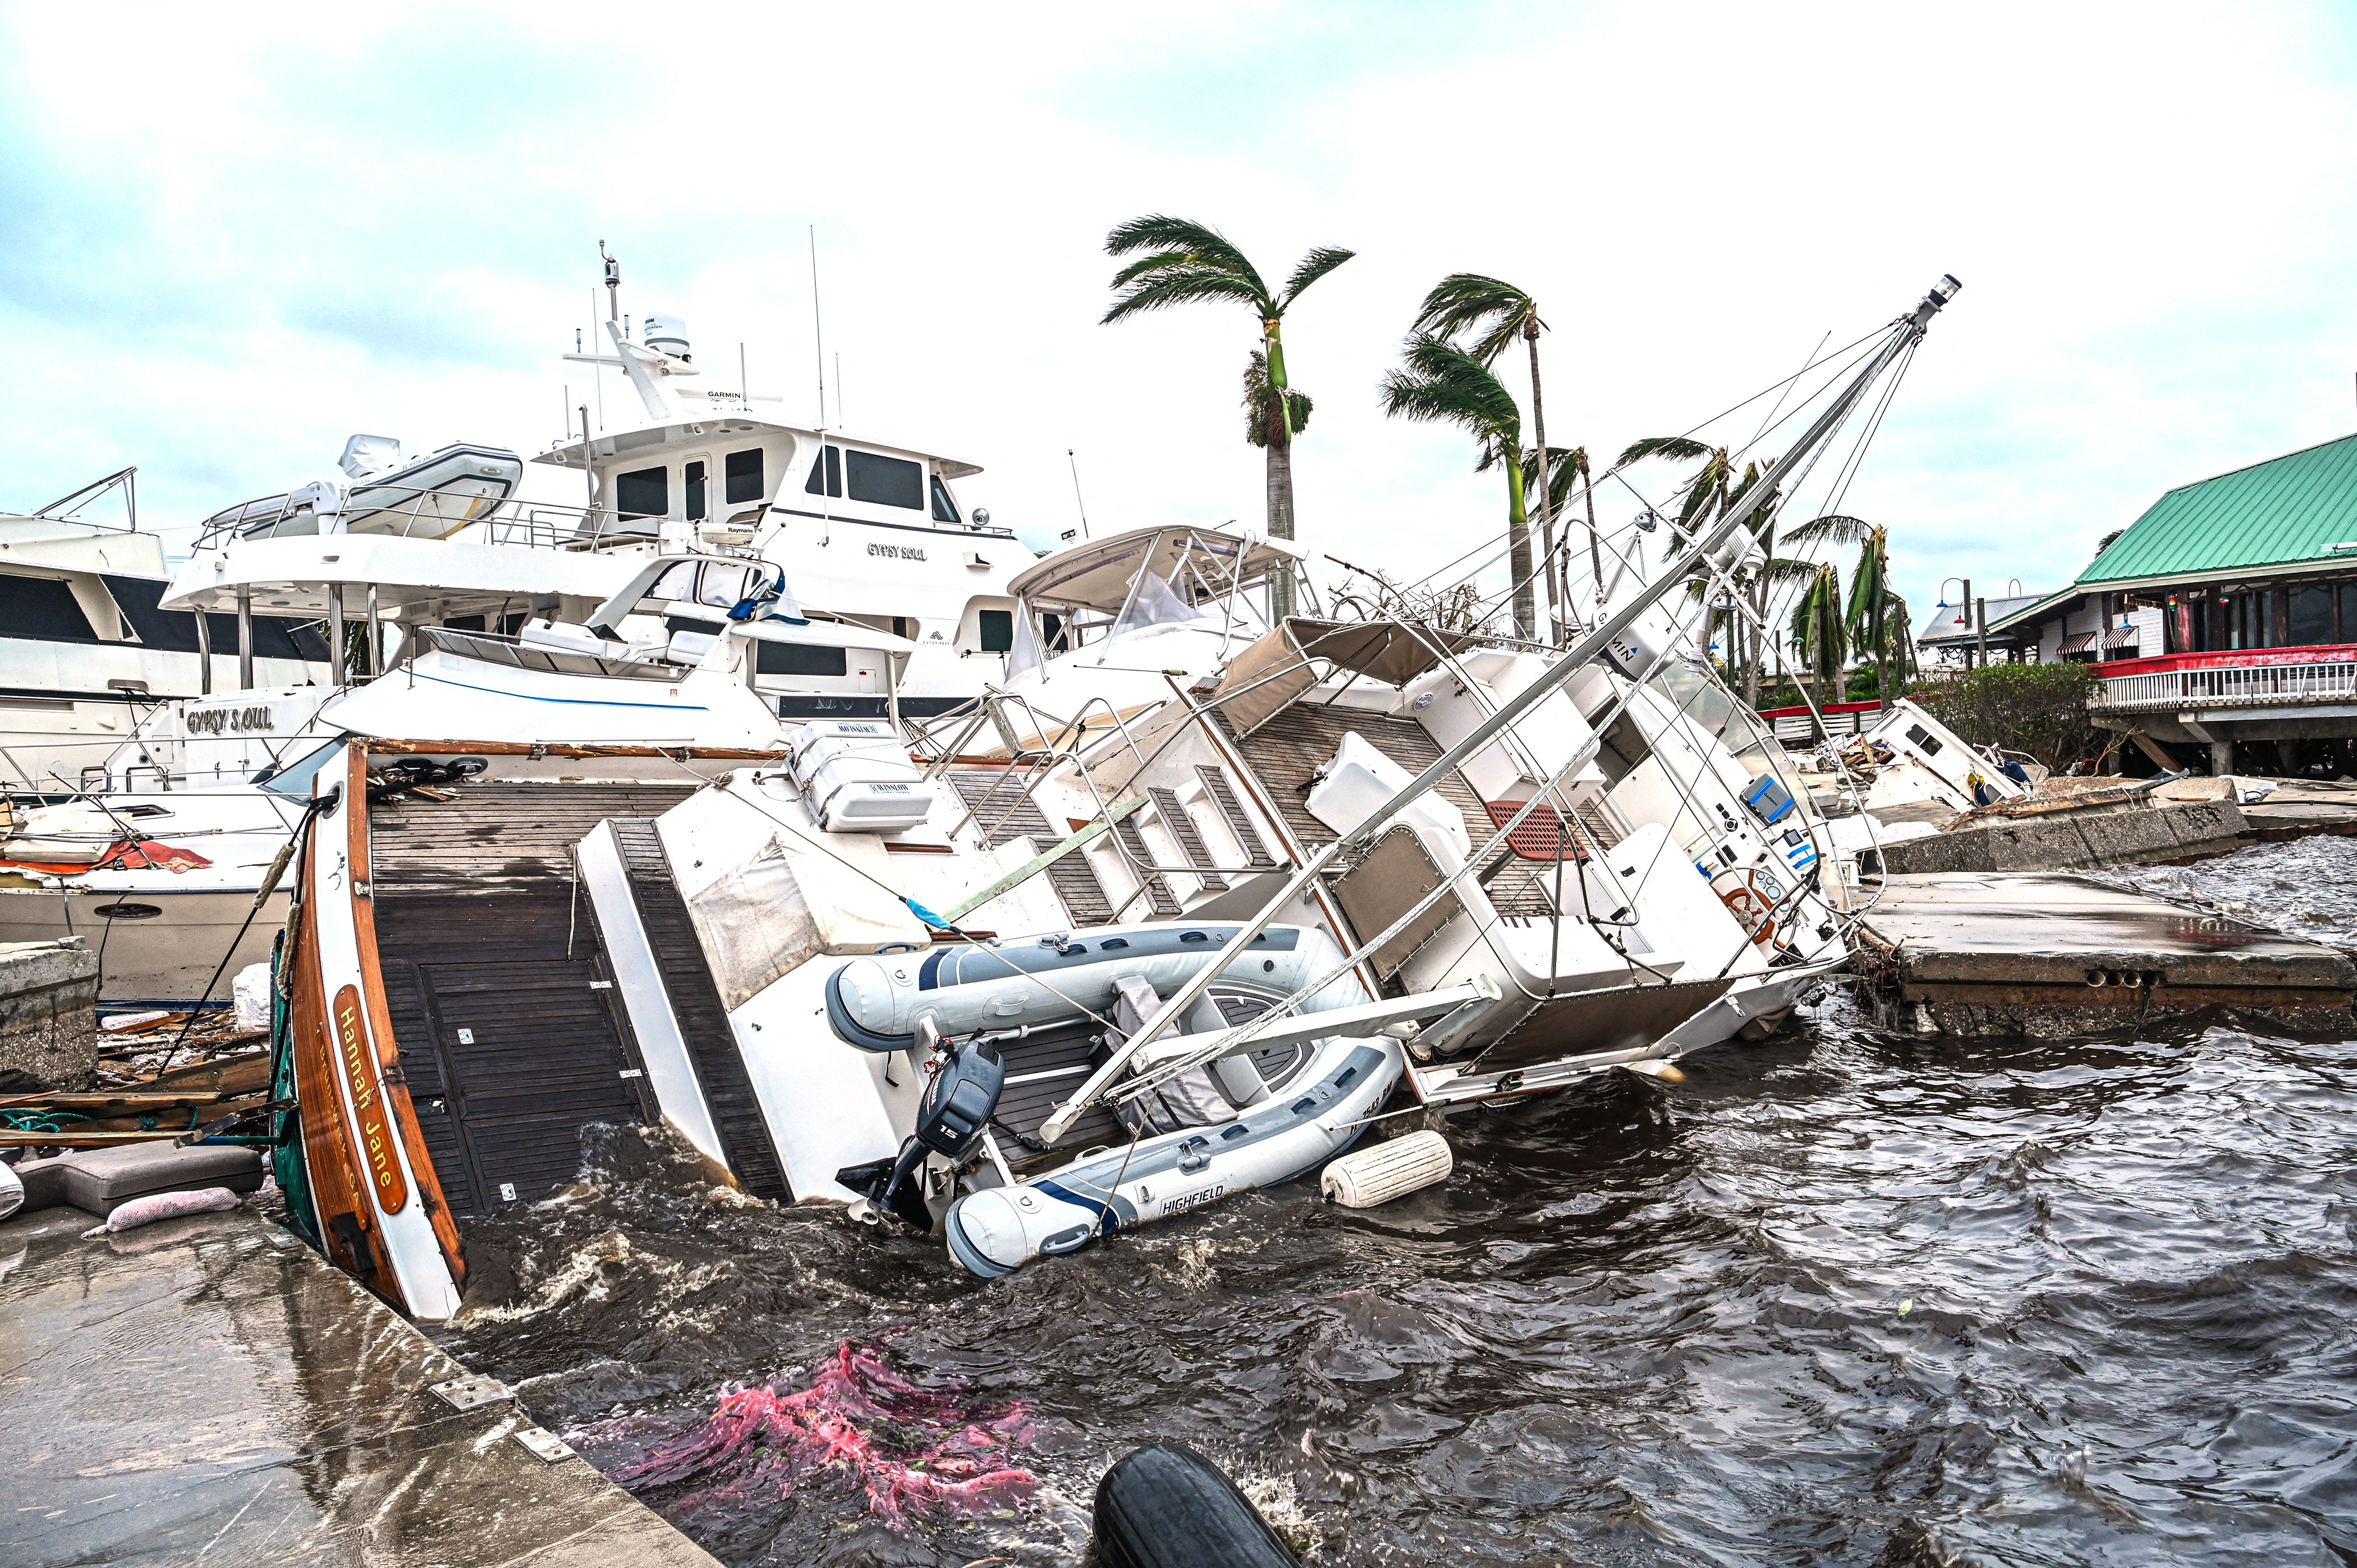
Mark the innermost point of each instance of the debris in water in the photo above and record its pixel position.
(910, 1449)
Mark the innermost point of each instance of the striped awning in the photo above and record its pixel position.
(2119, 636)
(2078, 644)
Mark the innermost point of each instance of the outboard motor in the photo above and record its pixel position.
(951, 1117)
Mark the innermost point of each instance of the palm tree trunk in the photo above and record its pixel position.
(1595, 550)
(1546, 496)
(1518, 546)
(1758, 655)
(1280, 463)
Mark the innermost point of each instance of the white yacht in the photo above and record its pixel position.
(171, 862)
(725, 573)
(86, 646)
(869, 533)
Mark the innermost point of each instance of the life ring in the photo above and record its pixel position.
(1750, 908)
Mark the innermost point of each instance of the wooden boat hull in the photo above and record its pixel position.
(380, 1211)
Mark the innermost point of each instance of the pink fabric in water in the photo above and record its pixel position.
(909, 1448)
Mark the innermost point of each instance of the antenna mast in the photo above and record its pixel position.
(818, 328)
(1077, 502)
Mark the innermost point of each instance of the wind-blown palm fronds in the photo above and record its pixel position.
(1820, 638)
(1180, 261)
(1707, 492)
(1830, 529)
(1443, 383)
(1870, 618)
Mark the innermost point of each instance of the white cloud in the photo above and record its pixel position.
(236, 245)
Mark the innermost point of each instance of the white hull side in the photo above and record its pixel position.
(167, 959)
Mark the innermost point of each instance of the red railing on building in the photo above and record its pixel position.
(2239, 658)
(2245, 678)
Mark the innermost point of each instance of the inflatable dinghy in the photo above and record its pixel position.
(879, 1003)
(431, 498)
(1211, 1132)
(435, 496)
(997, 1229)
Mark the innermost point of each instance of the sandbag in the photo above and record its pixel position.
(1166, 1506)
(166, 1206)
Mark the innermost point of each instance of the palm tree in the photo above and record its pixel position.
(1877, 616)
(1565, 467)
(1820, 640)
(1497, 313)
(1709, 494)
(1185, 261)
(1441, 382)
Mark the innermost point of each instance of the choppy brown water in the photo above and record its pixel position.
(1843, 1297)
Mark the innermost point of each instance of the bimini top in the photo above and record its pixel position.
(1201, 563)
(1391, 651)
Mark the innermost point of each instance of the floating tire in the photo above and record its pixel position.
(1166, 1506)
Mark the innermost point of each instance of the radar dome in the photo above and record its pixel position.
(667, 335)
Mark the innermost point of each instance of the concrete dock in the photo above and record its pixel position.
(2040, 953)
(208, 1388)
(49, 1011)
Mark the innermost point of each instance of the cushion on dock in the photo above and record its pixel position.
(102, 1180)
(45, 1182)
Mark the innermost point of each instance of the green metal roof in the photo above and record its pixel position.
(2269, 517)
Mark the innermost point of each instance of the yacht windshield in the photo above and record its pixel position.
(294, 778)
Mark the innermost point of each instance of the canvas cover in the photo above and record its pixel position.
(791, 904)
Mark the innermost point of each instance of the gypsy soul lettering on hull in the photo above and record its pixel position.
(898, 552)
(358, 1055)
(217, 721)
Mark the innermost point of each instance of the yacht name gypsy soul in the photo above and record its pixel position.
(1361, 870)
(730, 573)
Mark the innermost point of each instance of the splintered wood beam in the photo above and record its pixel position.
(128, 1104)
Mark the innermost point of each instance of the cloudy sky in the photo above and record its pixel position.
(235, 236)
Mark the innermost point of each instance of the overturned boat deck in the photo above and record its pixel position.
(2038, 952)
(209, 1388)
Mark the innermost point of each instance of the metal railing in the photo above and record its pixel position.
(2227, 686)
(416, 512)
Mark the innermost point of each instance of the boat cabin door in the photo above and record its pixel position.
(696, 487)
